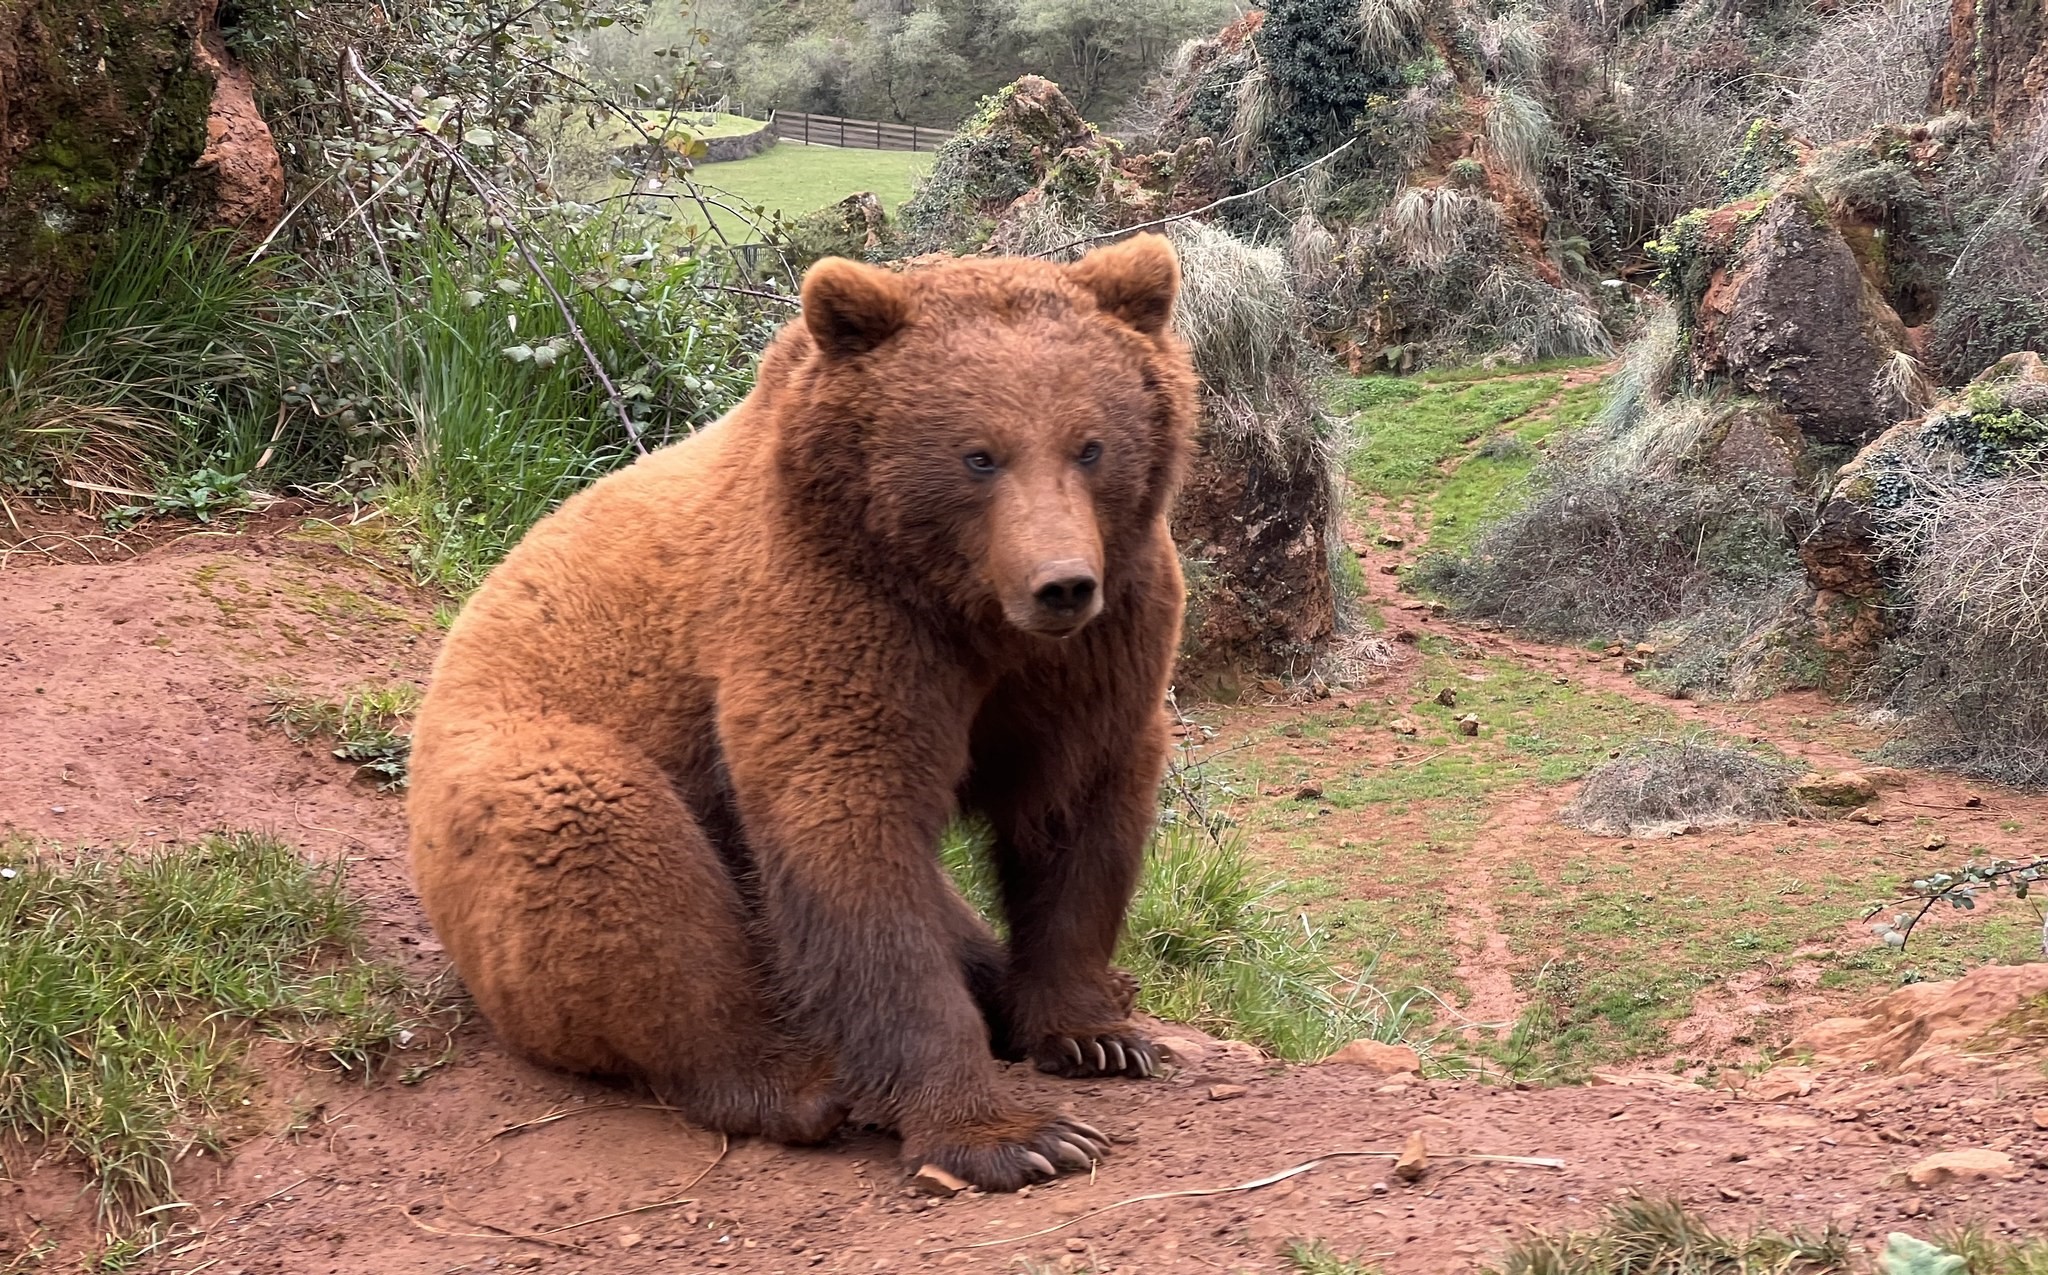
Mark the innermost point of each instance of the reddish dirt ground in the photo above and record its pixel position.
(133, 698)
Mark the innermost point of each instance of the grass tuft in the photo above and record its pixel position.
(1658, 1237)
(129, 986)
(1211, 949)
(367, 725)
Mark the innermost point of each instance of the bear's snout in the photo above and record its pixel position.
(1066, 595)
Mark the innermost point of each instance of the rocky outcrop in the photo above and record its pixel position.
(103, 106)
(1929, 1028)
(1027, 161)
(1997, 63)
(1982, 431)
(1789, 314)
(1254, 539)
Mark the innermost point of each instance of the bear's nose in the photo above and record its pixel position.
(1065, 589)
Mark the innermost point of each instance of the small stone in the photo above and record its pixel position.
(1870, 817)
(1646, 649)
(1402, 726)
(1309, 792)
(630, 1239)
(1373, 1055)
(2039, 1116)
(935, 1181)
(1963, 1166)
(1468, 725)
(1779, 1084)
(1447, 697)
(1973, 802)
(1389, 540)
(1632, 665)
(1224, 1093)
(1390, 569)
(1180, 1051)
(1561, 681)
(1414, 1161)
(1077, 1246)
(1935, 841)
(1731, 1196)
(1379, 1188)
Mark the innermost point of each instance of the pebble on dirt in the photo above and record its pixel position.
(1414, 1161)
(1224, 1093)
(933, 1180)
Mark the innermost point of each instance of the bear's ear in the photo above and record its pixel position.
(851, 308)
(1135, 280)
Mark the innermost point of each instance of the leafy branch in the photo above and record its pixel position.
(1959, 889)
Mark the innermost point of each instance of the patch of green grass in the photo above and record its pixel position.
(1407, 430)
(129, 988)
(368, 726)
(1988, 1255)
(1319, 1258)
(1480, 372)
(793, 179)
(1476, 487)
(1658, 1237)
(1211, 948)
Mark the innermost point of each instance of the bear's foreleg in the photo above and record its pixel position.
(843, 793)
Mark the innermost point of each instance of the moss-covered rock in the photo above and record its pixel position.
(106, 104)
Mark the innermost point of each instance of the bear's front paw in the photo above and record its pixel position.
(1008, 1154)
(1119, 1051)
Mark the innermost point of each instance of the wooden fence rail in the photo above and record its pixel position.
(872, 135)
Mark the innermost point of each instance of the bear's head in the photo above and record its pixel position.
(994, 436)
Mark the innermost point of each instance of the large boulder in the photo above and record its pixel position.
(103, 106)
(1792, 317)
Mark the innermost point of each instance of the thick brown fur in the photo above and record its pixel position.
(679, 781)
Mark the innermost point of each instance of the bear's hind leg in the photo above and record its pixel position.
(597, 927)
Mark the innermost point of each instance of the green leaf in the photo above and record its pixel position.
(520, 353)
(1904, 1255)
(481, 138)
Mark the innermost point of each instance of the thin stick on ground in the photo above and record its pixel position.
(1534, 1162)
(488, 1233)
(563, 1113)
(724, 1144)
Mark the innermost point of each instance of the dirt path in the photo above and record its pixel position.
(134, 702)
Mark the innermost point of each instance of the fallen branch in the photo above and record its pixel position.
(1534, 1162)
(1211, 206)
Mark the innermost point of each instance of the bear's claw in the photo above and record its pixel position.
(1004, 1163)
(1103, 1054)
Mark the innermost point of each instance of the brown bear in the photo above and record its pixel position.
(680, 778)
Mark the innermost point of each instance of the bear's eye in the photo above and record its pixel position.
(981, 464)
(1091, 453)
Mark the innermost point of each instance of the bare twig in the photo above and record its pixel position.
(1211, 206)
(724, 1144)
(1534, 1162)
(488, 1233)
(485, 193)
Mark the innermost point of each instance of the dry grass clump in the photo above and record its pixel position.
(1600, 549)
(1519, 134)
(1241, 318)
(1662, 787)
(1388, 30)
(1870, 66)
(1970, 674)
(1427, 224)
